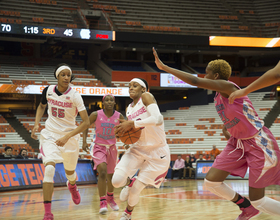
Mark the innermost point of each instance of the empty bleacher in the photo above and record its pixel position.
(44, 13)
(13, 71)
(197, 128)
(9, 137)
(175, 17)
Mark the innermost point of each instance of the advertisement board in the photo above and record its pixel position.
(22, 174)
(202, 167)
(87, 91)
(169, 80)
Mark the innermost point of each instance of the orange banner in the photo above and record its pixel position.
(244, 41)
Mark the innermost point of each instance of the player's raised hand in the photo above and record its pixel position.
(85, 147)
(236, 94)
(35, 129)
(62, 141)
(158, 62)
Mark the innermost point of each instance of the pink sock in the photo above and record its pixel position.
(72, 186)
(128, 212)
(102, 198)
(132, 181)
(110, 194)
(48, 207)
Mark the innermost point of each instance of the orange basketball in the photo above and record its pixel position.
(131, 136)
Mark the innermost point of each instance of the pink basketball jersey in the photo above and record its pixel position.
(240, 118)
(104, 128)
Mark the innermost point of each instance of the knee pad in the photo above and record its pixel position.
(134, 193)
(267, 205)
(49, 174)
(220, 189)
(71, 177)
(119, 179)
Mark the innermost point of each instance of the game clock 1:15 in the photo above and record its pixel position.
(31, 30)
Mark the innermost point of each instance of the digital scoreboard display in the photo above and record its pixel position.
(32, 30)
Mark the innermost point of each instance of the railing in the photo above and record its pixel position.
(108, 19)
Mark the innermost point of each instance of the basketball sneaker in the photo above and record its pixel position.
(125, 191)
(103, 207)
(48, 216)
(248, 213)
(112, 203)
(74, 192)
(125, 216)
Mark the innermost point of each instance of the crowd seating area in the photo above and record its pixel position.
(40, 12)
(26, 73)
(214, 17)
(9, 137)
(211, 17)
(197, 128)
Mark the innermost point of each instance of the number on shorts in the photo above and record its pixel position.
(58, 112)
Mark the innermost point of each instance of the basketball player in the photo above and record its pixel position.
(150, 153)
(251, 144)
(271, 77)
(104, 150)
(59, 141)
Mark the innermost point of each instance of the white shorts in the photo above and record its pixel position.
(153, 165)
(68, 154)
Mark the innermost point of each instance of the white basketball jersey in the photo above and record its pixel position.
(151, 136)
(63, 109)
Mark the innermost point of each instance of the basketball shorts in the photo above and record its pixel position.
(103, 155)
(153, 165)
(68, 154)
(261, 155)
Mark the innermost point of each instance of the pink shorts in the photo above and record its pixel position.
(261, 155)
(103, 155)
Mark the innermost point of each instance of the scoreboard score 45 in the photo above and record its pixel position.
(86, 34)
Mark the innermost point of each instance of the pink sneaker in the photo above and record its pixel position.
(248, 213)
(48, 216)
(103, 207)
(112, 203)
(75, 193)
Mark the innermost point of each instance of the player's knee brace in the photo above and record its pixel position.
(267, 205)
(134, 193)
(71, 177)
(119, 179)
(49, 174)
(220, 189)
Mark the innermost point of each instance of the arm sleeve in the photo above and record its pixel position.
(44, 96)
(155, 119)
(79, 102)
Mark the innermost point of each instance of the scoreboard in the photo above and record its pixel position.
(33, 30)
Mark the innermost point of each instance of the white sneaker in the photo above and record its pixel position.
(124, 194)
(125, 216)
(125, 191)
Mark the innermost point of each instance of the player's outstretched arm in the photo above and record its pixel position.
(271, 77)
(92, 119)
(39, 114)
(221, 86)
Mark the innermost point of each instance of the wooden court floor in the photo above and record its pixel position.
(176, 199)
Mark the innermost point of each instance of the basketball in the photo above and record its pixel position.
(131, 136)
